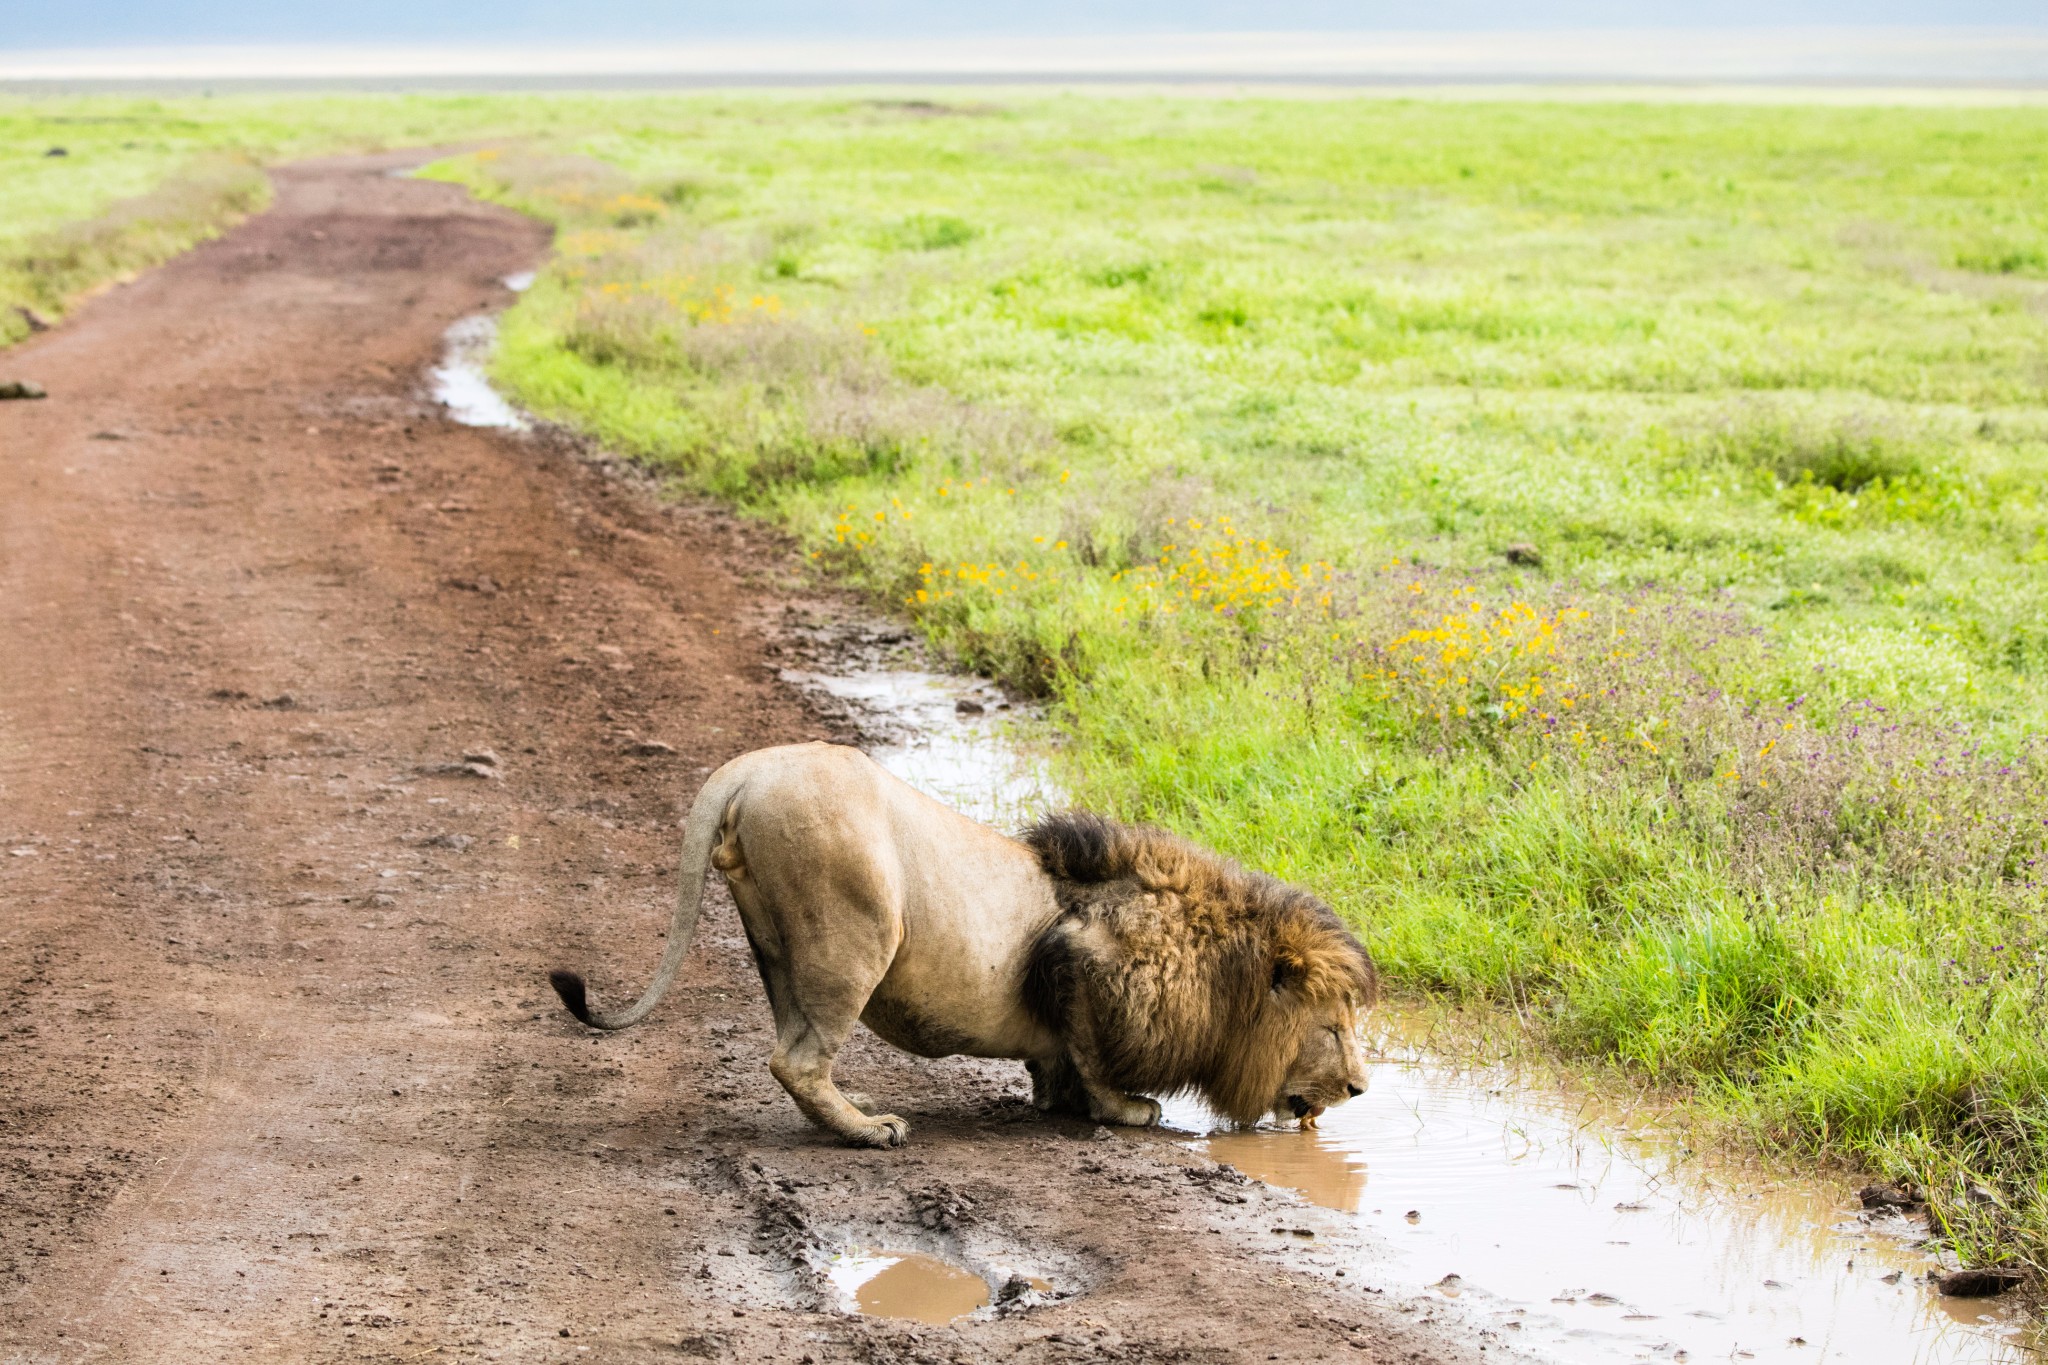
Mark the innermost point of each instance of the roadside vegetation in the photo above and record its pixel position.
(94, 190)
(1601, 547)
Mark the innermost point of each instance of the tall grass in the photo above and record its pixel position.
(42, 275)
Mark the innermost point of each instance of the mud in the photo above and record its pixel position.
(327, 726)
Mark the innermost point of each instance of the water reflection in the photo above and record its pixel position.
(1594, 1244)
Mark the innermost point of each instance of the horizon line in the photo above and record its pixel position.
(1829, 54)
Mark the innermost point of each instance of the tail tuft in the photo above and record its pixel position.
(569, 986)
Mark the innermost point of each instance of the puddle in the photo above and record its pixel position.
(945, 735)
(459, 383)
(906, 1284)
(1582, 1242)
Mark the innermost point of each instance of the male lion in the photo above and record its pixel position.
(1112, 961)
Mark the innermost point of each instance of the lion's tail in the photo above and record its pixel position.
(700, 833)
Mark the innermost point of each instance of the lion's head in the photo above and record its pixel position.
(1328, 1068)
(1197, 974)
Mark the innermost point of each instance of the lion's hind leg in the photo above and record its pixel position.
(813, 1019)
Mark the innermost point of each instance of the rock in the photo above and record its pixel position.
(21, 388)
(1522, 552)
(1982, 1283)
(650, 748)
(458, 842)
(486, 758)
(968, 706)
(1014, 1288)
(1903, 1197)
(58, 151)
(36, 321)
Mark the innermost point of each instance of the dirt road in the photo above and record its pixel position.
(324, 732)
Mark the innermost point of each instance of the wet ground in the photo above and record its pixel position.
(327, 726)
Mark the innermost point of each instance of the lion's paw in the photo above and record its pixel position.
(1131, 1111)
(886, 1130)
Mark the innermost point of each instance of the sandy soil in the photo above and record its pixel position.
(323, 731)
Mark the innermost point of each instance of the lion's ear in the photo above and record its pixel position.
(1290, 970)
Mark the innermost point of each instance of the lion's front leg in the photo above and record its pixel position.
(1103, 1101)
(1107, 1104)
(1056, 1087)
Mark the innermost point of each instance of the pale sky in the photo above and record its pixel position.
(31, 24)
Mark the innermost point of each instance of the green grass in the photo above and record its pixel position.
(1600, 547)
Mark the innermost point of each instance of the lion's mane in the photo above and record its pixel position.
(1196, 974)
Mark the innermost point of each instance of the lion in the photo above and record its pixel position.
(1117, 963)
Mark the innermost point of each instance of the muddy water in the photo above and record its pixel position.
(458, 382)
(1576, 1236)
(1584, 1241)
(948, 736)
(461, 381)
(906, 1284)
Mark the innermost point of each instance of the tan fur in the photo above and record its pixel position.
(866, 901)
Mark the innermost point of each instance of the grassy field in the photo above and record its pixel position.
(1599, 546)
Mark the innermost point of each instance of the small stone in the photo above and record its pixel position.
(65, 151)
(458, 842)
(1522, 552)
(650, 748)
(485, 757)
(1978, 1284)
(21, 388)
(1890, 1197)
(968, 706)
(36, 321)
(1413, 1215)
(563, 1333)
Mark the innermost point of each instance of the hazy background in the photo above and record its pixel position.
(1845, 41)
(102, 23)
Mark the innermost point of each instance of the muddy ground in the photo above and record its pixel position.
(324, 732)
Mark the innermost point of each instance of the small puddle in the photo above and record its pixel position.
(1582, 1241)
(946, 735)
(906, 1284)
(461, 382)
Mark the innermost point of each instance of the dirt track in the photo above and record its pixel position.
(281, 1074)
